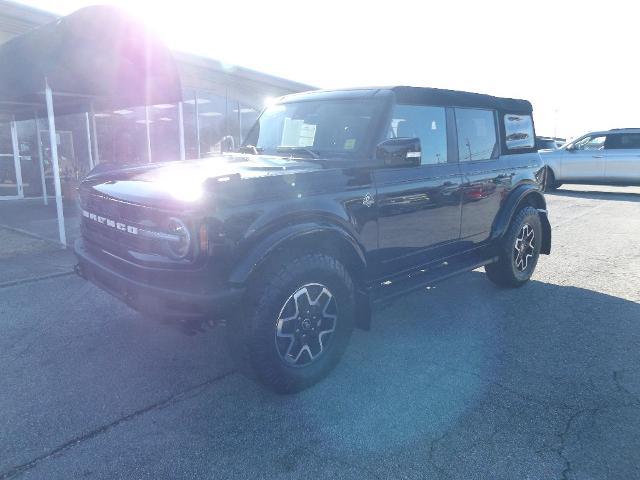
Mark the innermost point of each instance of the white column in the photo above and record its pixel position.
(195, 104)
(181, 131)
(96, 152)
(41, 161)
(16, 157)
(86, 116)
(54, 161)
(148, 125)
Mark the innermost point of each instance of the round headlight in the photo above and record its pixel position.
(180, 245)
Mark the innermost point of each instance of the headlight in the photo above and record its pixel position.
(179, 245)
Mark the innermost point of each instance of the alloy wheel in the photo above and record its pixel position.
(524, 247)
(306, 324)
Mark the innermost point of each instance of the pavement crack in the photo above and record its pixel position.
(622, 388)
(23, 281)
(170, 400)
(566, 471)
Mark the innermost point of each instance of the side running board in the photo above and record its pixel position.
(389, 289)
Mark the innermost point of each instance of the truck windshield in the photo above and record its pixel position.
(317, 129)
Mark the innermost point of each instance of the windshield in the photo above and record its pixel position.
(322, 128)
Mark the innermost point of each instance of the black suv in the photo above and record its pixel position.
(337, 199)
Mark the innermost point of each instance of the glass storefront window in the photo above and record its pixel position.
(212, 117)
(122, 136)
(189, 116)
(165, 132)
(248, 116)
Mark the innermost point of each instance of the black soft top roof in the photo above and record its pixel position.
(437, 96)
(422, 95)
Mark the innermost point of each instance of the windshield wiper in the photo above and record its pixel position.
(306, 150)
(250, 149)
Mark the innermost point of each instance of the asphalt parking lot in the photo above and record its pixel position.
(461, 381)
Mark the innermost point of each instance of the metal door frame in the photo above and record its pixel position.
(16, 163)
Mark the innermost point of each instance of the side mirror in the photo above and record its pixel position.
(400, 152)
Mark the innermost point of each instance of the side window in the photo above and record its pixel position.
(477, 139)
(519, 131)
(621, 141)
(590, 143)
(426, 123)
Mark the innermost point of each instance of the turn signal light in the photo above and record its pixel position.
(204, 238)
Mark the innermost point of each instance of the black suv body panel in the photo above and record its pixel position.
(242, 210)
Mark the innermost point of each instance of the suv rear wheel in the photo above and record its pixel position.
(299, 322)
(518, 251)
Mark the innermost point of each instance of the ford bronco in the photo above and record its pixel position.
(336, 200)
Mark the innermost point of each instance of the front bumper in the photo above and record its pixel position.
(164, 301)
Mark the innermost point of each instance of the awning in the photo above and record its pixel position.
(96, 55)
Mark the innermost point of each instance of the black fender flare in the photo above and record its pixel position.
(530, 194)
(274, 241)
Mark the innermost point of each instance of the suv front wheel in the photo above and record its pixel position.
(518, 250)
(550, 183)
(299, 322)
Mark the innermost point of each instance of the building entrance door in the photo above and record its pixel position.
(70, 171)
(10, 174)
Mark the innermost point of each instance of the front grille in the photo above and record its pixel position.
(116, 227)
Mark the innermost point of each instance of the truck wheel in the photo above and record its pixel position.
(299, 322)
(550, 183)
(519, 250)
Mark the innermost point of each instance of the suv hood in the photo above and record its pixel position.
(185, 182)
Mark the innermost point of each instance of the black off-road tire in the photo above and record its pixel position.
(550, 183)
(517, 259)
(272, 296)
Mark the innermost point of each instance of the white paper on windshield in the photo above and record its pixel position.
(296, 133)
(307, 135)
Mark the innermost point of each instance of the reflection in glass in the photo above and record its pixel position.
(519, 131)
(426, 123)
(476, 134)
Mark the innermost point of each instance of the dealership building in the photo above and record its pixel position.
(74, 82)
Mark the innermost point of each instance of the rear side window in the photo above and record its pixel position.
(621, 141)
(477, 139)
(519, 131)
(423, 122)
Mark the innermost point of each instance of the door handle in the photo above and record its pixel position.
(598, 156)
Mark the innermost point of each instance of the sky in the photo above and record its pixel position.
(577, 62)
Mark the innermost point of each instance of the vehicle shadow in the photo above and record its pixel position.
(460, 363)
(597, 195)
(465, 377)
